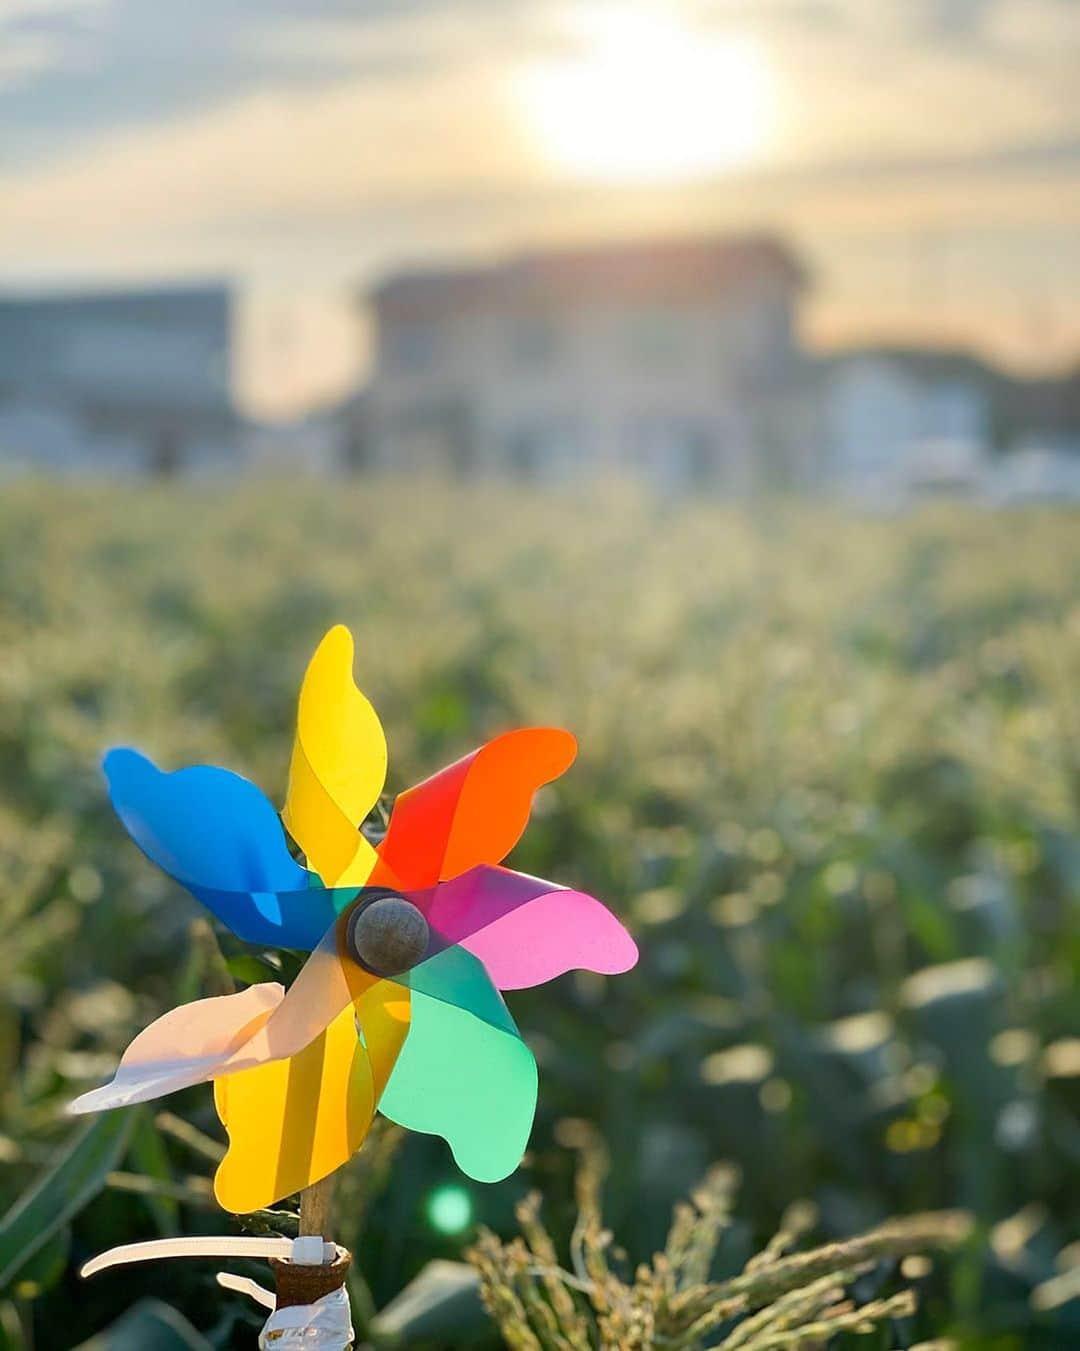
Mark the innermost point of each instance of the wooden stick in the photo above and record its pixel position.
(315, 1205)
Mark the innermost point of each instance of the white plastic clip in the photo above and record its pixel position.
(310, 1251)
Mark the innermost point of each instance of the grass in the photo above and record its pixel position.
(829, 773)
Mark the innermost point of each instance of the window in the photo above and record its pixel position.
(674, 452)
(533, 344)
(756, 345)
(544, 449)
(656, 337)
(411, 348)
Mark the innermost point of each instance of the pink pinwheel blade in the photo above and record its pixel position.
(527, 931)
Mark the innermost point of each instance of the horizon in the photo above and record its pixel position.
(267, 389)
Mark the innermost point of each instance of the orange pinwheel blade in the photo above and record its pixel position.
(473, 811)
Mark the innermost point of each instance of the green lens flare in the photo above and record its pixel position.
(449, 1209)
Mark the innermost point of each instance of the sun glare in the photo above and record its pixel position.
(646, 98)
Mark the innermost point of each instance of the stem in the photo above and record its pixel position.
(315, 1204)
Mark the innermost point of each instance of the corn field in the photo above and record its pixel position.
(829, 775)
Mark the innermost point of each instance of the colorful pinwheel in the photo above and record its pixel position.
(398, 1006)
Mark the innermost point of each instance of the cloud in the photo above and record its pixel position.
(38, 37)
(952, 18)
(92, 66)
(335, 137)
(75, 71)
(265, 178)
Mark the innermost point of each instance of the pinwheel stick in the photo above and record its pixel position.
(315, 1204)
(305, 1281)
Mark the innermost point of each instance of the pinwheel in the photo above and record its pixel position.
(398, 1007)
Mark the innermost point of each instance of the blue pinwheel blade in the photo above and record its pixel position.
(219, 836)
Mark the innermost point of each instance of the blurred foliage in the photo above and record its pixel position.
(829, 773)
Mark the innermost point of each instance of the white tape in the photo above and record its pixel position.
(325, 1325)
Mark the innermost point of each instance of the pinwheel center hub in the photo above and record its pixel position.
(388, 934)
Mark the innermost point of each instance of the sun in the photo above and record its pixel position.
(646, 98)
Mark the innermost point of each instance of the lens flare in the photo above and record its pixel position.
(449, 1209)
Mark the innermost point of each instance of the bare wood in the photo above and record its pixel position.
(315, 1204)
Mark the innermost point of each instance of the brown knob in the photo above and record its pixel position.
(388, 934)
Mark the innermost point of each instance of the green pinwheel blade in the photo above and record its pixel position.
(464, 1072)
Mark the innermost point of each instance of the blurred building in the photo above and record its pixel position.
(677, 359)
(314, 445)
(900, 423)
(117, 381)
(1041, 415)
(1036, 472)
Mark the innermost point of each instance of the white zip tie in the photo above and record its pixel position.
(206, 1247)
(244, 1285)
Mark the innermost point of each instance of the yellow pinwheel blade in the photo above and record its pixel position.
(291, 1122)
(384, 1013)
(338, 766)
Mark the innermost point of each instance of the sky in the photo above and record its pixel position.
(922, 155)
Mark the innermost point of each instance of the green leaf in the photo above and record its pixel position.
(12, 1332)
(149, 1325)
(46, 1266)
(440, 1307)
(70, 1184)
(251, 970)
(150, 1157)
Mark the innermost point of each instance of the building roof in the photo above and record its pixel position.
(643, 271)
(929, 365)
(175, 305)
